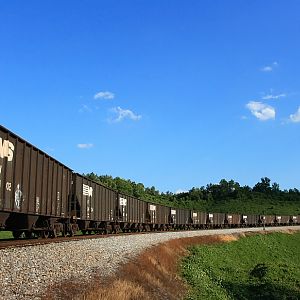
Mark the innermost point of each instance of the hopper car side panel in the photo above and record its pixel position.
(215, 220)
(232, 220)
(253, 220)
(198, 219)
(94, 205)
(269, 220)
(282, 220)
(181, 217)
(34, 188)
(132, 212)
(162, 216)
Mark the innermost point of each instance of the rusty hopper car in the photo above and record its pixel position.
(232, 220)
(282, 220)
(198, 219)
(163, 216)
(253, 220)
(34, 189)
(93, 205)
(132, 213)
(215, 220)
(293, 220)
(244, 220)
(157, 217)
(41, 196)
(269, 220)
(181, 218)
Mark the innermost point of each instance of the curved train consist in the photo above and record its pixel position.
(40, 195)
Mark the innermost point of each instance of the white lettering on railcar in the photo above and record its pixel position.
(37, 205)
(210, 215)
(123, 201)
(18, 197)
(229, 217)
(88, 204)
(87, 190)
(6, 149)
(173, 212)
(245, 217)
(152, 207)
(195, 214)
(8, 186)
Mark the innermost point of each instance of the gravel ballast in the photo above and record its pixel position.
(27, 271)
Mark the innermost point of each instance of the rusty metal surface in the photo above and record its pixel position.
(182, 216)
(32, 182)
(233, 219)
(132, 210)
(216, 219)
(198, 218)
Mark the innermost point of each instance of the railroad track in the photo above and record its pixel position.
(9, 243)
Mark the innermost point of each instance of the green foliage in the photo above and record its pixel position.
(257, 267)
(5, 235)
(227, 196)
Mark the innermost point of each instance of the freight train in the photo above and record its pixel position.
(41, 196)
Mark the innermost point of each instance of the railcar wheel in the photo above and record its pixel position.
(28, 234)
(45, 234)
(54, 234)
(17, 234)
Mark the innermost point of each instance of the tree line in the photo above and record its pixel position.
(225, 195)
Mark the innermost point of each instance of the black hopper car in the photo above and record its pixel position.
(41, 196)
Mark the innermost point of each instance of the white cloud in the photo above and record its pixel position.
(125, 114)
(105, 95)
(180, 191)
(270, 96)
(270, 67)
(261, 110)
(85, 146)
(85, 108)
(295, 118)
(266, 69)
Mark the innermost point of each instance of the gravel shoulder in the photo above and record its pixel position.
(26, 272)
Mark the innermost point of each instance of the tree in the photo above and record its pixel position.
(264, 186)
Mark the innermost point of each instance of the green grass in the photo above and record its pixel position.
(5, 235)
(256, 267)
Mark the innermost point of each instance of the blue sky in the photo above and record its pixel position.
(173, 94)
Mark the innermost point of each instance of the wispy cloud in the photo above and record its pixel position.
(105, 95)
(295, 118)
(85, 108)
(261, 111)
(180, 191)
(85, 146)
(125, 114)
(270, 96)
(269, 68)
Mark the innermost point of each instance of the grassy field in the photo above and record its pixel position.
(5, 235)
(256, 267)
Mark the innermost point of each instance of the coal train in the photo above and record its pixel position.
(41, 196)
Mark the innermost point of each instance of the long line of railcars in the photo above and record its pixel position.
(41, 196)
